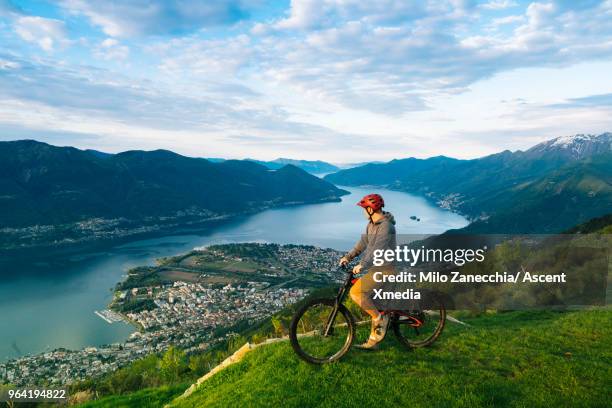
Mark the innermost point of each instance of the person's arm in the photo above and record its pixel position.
(359, 247)
(382, 240)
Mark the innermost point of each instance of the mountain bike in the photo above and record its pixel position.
(323, 329)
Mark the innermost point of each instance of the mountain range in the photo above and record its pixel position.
(317, 167)
(547, 188)
(42, 184)
(311, 166)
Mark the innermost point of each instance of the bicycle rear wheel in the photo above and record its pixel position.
(420, 328)
(307, 333)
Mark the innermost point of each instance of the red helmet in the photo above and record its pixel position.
(374, 201)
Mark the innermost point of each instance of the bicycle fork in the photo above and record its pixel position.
(329, 325)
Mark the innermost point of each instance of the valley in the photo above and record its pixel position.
(54, 197)
(559, 183)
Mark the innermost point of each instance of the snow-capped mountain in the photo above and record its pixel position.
(575, 147)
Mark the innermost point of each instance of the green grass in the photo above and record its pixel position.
(517, 359)
(147, 398)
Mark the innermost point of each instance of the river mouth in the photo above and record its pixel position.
(44, 307)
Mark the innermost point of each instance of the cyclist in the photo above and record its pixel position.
(380, 234)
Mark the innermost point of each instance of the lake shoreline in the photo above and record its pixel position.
(435, 200)
(45, 256)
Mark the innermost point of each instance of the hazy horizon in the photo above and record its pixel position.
(340, 164)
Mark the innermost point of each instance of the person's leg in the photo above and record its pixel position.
(362, 300)
(360, 293)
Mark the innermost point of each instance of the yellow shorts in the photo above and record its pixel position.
(368, 284)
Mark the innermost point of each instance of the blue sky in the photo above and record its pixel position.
(337, 80)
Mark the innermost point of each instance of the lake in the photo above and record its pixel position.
(41, 312)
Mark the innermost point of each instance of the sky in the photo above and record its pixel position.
(335, 80)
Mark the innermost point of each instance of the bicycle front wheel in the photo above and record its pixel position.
(307, 333)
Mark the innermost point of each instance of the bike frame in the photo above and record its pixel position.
(348, 282)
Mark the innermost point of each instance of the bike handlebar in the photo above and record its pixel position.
(345, 268)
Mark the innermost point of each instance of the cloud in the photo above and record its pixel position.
(205, 58)
(591, 101)
(318, 14)
(499, 4)
(119, 18)
(64, 138)
(47, 33)
(41, 97)
(368, 55)
(507, 20)
(7, 8)
(100, 93)
(5, 65)
(394, 57)
(111, 49)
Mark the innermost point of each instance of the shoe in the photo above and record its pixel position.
(379, 327)
(371, 344)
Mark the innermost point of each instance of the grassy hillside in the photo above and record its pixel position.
(574, 193)
(510, 359)
(147, 398)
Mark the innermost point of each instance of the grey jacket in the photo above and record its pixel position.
(379, 235)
